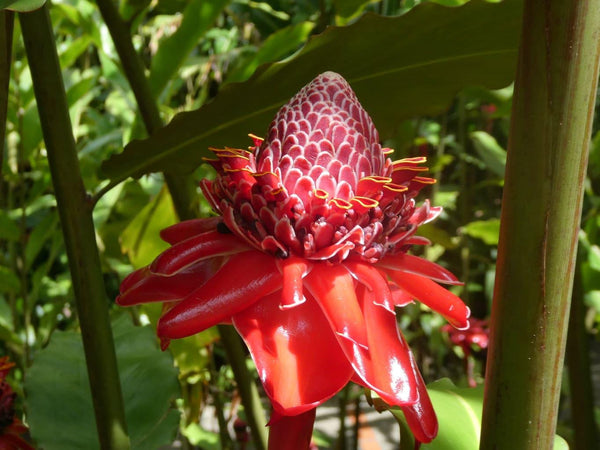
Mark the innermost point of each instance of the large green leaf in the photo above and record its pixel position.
(59, 401)
(459, 416)
(398, 66)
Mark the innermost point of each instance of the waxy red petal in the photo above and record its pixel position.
(298, 358)
(434, 296)
(147, 287)
(388, 370)
(205, 245)
(244, 279)
(293, 269)
(418, 266)
(421, 417)
(188, 228)
(333, 288)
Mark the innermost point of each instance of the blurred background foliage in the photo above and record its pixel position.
(191, 50)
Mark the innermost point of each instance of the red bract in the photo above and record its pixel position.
(11, 428)
(309, 259)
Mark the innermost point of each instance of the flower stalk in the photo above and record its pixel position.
(78, 229)
(553, 105)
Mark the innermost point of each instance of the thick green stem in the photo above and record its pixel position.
(580, 380)
(555, 89)
(78, 229)
(182, 191)
(7, 19)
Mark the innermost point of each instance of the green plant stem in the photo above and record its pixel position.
(183, 195)
(553, 105)
(578, 363)
(78, 229)
(7, 19)
(248, 391)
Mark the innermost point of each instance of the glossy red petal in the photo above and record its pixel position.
(333, 288)
(242, 280)
(292, 432)
(188, 228)
(146, 287)
(418, 266)
(434, 296)
(387, 370)
(202, 246)
(421, 417)
(293, 269)
(298, 358)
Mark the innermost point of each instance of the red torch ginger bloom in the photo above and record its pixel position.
(475, 338)
(11, 428)
(308, 259)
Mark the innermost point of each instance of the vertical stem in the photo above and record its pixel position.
(555, 89)
(78, 229)
(578, 362)
(7, 19)
(292, 432)
(181, 189)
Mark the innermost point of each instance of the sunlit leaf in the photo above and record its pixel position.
(459, 415)
(141, 240)
(399, 67)
(21, 5)
(486, 230)
(59, 398)
(488, 149)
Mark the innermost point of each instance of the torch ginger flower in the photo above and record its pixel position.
(308, 259)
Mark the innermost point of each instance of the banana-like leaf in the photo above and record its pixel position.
(398, 66)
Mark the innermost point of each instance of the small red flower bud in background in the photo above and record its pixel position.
(11, 428)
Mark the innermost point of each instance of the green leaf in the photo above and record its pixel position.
(275, 47)
(21, 5)
(399, 67)
(59, 398)
(346, 9)
(459, 415)
(490, 152)
(141, 240)
(486, 230)
(9, 281)
(198, 16)
(8, 228)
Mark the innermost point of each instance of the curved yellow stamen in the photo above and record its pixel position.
(320, 193)
(365, 202)
(424, 180)
(340, 203)
(395, 187)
